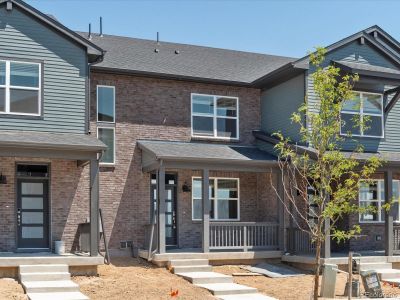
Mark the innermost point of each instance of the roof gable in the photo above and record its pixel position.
(93, 50)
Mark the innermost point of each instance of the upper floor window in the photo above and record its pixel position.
(215, 116)
(105, 103)
(362, 115)
(20, 88)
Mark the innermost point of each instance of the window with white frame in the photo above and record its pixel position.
(105, 103)
(224, 198)
(215, 116)
(362, 115)
(372, 194)
(20, 88)
(107, 136)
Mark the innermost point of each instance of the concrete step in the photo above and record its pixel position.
(206, 277)
(255, 296)
(43, 268)
(375, 266)
(44, 276)
(388, 273)
(187, 262)
(219, 289)
(50, 286)
(185, 269)
(57, 296)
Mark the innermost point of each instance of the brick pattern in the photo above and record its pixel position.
(69, 201)
(158, 109)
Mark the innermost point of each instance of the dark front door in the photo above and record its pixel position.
(32, 214)
(171, 232)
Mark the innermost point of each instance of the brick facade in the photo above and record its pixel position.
(69, 201)
(159, 109)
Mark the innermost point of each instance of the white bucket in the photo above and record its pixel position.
(59, 247)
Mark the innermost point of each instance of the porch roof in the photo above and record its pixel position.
(47, 144)
(204, 155)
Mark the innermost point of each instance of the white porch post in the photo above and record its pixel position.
(388, 177)
(206, 211)
(94, 207)
(161, 209)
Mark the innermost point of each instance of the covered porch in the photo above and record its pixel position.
(46, 191)
(206, 227)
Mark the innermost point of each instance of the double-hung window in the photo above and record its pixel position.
(20, 88)
(215, 116)
(106, 122)
(362, 115)
(224, 198)
(372, 194)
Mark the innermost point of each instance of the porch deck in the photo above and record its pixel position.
(9, 259)
(215, 257)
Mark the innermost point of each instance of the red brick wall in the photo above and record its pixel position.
(154, 109)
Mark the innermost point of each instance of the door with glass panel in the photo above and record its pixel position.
(32, 214)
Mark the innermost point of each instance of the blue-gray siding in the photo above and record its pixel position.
(64, 78)
(279, 103)
(366, 54)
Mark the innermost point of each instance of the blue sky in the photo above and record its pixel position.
(284, 27)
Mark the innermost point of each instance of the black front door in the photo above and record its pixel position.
(32, 214)
(171, 232)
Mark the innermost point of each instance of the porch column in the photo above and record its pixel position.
(206, 210)
(326, 251)
(388, 176)
(161, 209)
(281, 213)
(94, 207)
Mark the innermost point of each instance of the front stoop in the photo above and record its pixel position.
(45, 282)
(199, 272)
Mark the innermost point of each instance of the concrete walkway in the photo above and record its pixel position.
(49, 282)
(199, 272)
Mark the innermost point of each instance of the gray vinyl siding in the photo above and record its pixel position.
(279, 103)
(366, 54)
(64, 72)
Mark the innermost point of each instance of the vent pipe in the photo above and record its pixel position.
(101, 26)
(90, 31)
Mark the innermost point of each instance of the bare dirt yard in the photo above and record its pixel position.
(292, 288)
(131, 278)
(11, 289)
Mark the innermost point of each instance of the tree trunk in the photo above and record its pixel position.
(317, 266)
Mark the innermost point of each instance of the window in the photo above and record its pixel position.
(373, 194)
(105, 103)
(362, 108)
(107, 136)
(20, 85)
(224, 198)
(215, 116)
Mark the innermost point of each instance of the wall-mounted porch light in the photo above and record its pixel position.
(186, 188)
(3, 179)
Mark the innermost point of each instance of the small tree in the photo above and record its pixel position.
(323, 175)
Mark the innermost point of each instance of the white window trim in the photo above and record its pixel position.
(8, 87)
(379, 201)
(361, 114)
(114, 154)
(97, 102)
(214, 116)
(215, 200)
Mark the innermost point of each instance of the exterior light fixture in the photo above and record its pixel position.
(186, 188)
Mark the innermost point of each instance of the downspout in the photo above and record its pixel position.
(88, 92)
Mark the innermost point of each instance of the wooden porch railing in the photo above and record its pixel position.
(244, 235)
(299, 242)
(396, 240)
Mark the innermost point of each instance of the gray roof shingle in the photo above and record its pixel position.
(202, 151)
(137, 55)
(47, 140)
